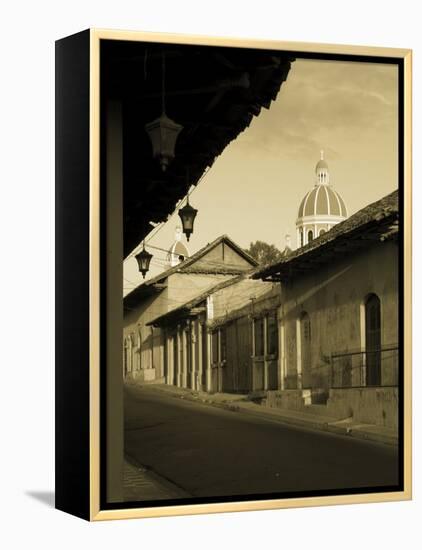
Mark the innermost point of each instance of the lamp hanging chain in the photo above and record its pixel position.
(188, 184)
(163, 69)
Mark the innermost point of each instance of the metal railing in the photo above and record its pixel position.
(365, 368)
(349, 370)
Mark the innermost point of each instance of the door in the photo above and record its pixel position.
(373, 340)
(244, 353)
(305, 345)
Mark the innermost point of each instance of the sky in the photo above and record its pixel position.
(254, 188)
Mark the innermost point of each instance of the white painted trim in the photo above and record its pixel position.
(328, 201)
(338, 200)
(282, 355)
(307, 220)
(306, 201)
(316, 199)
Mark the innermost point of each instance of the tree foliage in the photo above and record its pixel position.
(264, 253)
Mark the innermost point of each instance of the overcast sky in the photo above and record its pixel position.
(254, 189)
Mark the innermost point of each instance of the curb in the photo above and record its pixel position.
(311, 424)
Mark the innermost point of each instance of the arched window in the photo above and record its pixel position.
(321, 232)
(310, 236)
(373, 340)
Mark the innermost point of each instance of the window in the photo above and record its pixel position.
(259, 336)
(373, 340)
(301, 238)
(310, 236)
(322, 231)
(272, 334)
(214, 347)
(223, 344)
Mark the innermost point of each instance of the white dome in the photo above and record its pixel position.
(322, 200)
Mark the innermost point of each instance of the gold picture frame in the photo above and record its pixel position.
(86, 501)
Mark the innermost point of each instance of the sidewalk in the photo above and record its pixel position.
(140, 484)
(240, 403)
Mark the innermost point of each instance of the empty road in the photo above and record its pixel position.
(207, 451)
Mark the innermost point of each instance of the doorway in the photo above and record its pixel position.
(373, 340)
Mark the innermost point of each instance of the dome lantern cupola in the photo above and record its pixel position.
(321, 171)
(321, 208)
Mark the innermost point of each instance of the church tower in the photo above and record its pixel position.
(321, 208)
(178, 251)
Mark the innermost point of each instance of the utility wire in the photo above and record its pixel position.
(161, 225)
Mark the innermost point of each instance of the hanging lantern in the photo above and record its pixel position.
(163, 131)
(163, 134)
(143, 259)
(187, 215)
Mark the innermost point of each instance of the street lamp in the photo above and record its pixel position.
(163, 131)
(187, 215)
(163, 134)
(143, 259)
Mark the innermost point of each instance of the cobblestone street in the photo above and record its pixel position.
(139, 484)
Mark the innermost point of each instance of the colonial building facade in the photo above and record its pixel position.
(143, 344)
(339, 318)
(319, 328)
(225, 339)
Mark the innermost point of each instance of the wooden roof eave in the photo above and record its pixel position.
(333, 250)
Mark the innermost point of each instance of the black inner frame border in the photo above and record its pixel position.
(104, 505)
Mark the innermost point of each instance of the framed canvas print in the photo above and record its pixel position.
(233, 274)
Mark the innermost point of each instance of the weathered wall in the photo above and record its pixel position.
(233, 309)
(183, 287)
(332, 296)
(147, 353)
(222, 255)
(367, 405)
(237, 296)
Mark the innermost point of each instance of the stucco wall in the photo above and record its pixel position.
(367, 405)
(333, 296)
(148, 347)
(239, 295)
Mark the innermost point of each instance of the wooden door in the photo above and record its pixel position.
(244, 354)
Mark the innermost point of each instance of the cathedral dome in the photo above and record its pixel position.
(178, 251)
(322, 200)
(321, 208)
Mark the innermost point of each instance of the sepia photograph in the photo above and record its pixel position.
(252, 279)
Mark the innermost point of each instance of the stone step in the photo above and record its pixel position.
(315, 396)
(315, 409)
